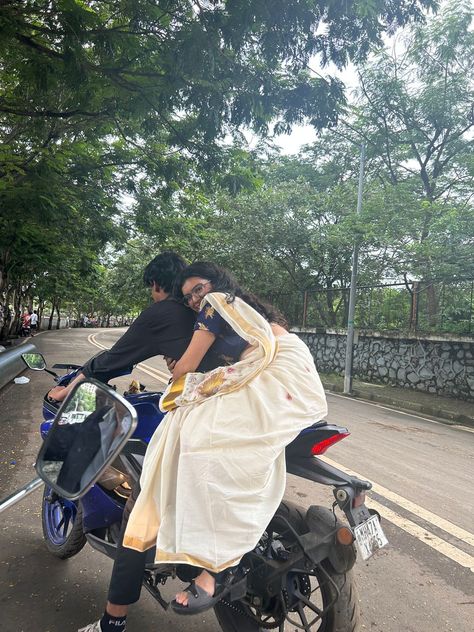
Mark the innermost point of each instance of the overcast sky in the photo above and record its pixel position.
(303, 134)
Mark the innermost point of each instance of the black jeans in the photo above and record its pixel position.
(127, 576)
(129, 566)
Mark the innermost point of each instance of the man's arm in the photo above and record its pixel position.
(138, 343)
(133, 347)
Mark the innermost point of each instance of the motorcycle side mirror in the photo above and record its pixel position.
(34, 361)
(89, 431)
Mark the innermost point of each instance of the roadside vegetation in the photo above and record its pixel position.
(122, 134)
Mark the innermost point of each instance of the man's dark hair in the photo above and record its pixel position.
(163, 270)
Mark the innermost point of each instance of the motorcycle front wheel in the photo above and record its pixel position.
(62, 525)
(321, 587)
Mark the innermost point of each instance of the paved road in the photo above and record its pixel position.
(422, 475)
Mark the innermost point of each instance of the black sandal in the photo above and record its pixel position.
(200, 600)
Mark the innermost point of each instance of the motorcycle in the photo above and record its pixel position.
(300, 573)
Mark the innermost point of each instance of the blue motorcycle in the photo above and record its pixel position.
(299, 575)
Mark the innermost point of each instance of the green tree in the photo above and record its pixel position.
(415, 113)
(101, 99)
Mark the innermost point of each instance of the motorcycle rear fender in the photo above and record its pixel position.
(313, 469)
(322, 521)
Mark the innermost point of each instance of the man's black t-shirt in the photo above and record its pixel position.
(165, 328)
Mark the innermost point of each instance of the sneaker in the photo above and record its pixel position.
(92, 627)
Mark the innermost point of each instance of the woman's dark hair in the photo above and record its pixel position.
(223, 281)
(163, 270)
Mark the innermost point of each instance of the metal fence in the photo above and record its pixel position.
(430, 308)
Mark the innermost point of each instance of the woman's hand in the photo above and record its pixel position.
(189, 361)
(179, 370)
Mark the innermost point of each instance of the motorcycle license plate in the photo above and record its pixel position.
(369, 537)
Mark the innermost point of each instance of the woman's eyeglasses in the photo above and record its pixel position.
(197, 292)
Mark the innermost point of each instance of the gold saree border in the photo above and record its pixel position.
(167, 403)
(184, 558)
(247, 330)
(131, 542)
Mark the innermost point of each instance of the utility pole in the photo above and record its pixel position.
(352, 294)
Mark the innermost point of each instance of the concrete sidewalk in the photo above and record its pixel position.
(446, 409)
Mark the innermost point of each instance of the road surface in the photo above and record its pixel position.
(422, 474)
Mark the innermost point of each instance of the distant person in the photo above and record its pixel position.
(34, 322)
(25, 324)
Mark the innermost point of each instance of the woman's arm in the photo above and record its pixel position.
(190, 360)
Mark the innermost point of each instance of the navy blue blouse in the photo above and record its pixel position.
(228, 345)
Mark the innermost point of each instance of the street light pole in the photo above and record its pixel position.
(352, 294)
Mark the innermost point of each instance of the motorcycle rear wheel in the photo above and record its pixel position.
(62, 525)
(343, 617)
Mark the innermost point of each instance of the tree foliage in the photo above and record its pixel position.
(115, 128)
(415, 113)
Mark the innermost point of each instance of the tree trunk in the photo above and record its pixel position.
(58, 323)
(50, 324)
(40, 312)
(15, 327)
(8, 315)
(432, 304)
(414, 305)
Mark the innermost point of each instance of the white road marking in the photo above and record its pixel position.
(400, 412)
(435, 520)
(425, 536)
(156, 373)
(436, 543)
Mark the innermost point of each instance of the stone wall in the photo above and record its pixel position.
(441, 365)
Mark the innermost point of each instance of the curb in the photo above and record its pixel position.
(444, 416)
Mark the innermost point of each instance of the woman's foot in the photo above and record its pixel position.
(205, 581)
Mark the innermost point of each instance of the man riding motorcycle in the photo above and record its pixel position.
(164, 328)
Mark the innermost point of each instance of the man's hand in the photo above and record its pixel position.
(58, 393)
(170, 363)
(61, 392)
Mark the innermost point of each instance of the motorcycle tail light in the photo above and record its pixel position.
(359, 500)
(322, 446)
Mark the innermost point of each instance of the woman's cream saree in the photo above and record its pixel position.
(214, 472)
